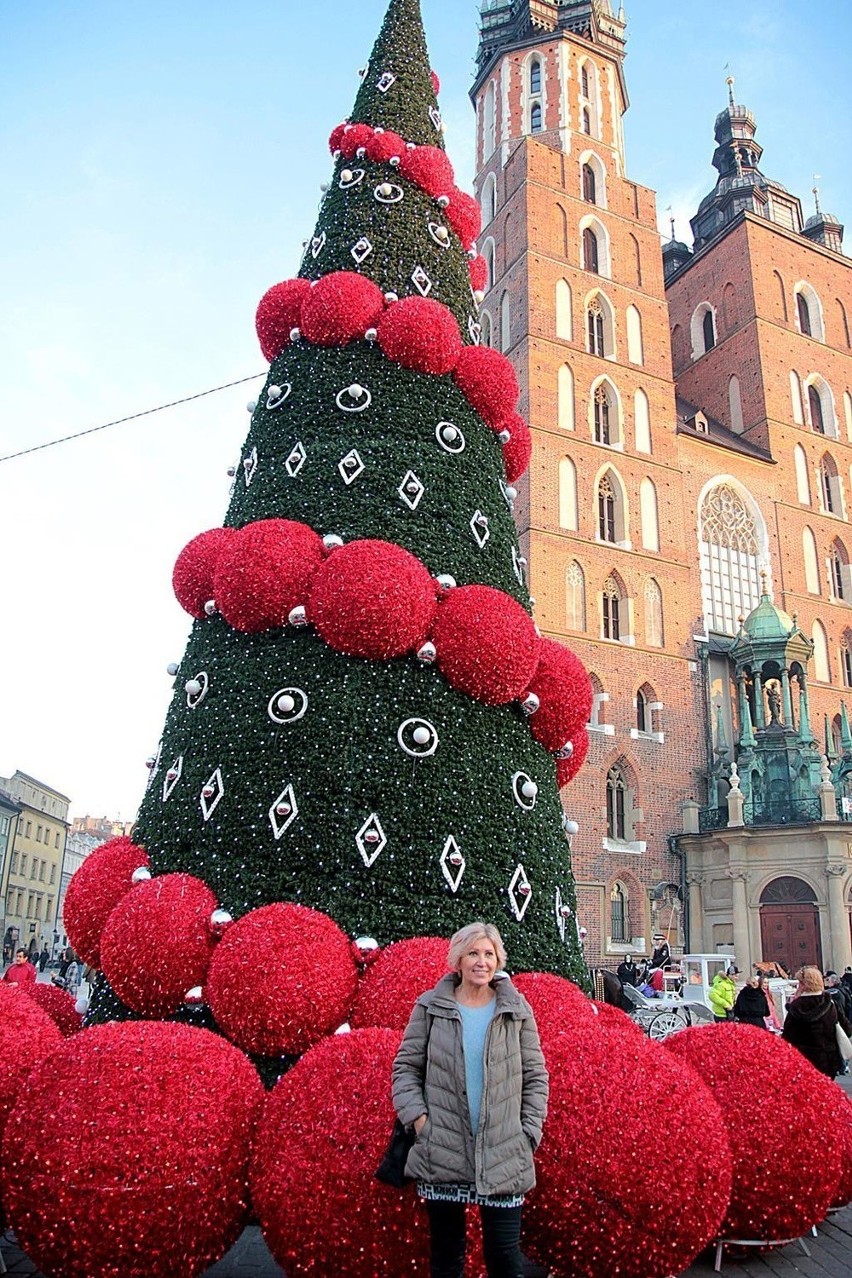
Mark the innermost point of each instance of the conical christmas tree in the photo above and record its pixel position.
(366, 721)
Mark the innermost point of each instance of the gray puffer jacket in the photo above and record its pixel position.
(429, 1078)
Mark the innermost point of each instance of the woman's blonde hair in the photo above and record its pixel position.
(464, 938)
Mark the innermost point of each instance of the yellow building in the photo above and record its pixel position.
(33, 873)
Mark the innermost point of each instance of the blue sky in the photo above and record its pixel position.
(162, 164)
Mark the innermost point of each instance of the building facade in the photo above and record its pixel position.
(30, 883)
(692, 424)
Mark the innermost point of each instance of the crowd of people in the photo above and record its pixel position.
(26, 964)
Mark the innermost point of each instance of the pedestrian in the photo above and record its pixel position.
(43, 958)
(811, 1023)
(470, 1079)
(627, 972)
(21, 972)
(751, 1006)
(837, 991)
(772, 1021)
(722, 994)
(846, 980)
(662, 955)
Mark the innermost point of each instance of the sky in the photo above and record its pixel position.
(161, 166)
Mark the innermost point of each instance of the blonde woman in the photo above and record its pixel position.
(470, 1078)
(811, 1023)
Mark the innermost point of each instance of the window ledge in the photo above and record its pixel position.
(620, 845)
(638, 735)
(605, 729)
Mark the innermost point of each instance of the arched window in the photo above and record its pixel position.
(562, 246)
(823, 418)
(618, 913)
(591, 257)
(611, 606)
(846, 658)
(822, 669)
(567, 494)
(587, 121)
(708, 330)
(535, 76)
(809, 554)
(607, 504)
(535, 118)
(575, 597)
(829, 486)
(589, 184)
(505, 323)
(803, 488)
(809, 311)
(643, 714)
(634, 336)
(585, 82)
(782, 297)
(735, 405)
(617, 793)
(642, 419)
(637, 260)
(702, 330)
(654, 634)
(729, 307)
(603, 415)
(564, 326)
(488, 254)
(489, 133)
(731, 541)
(803, 315)
(487, 338)
(595, 327)
(796, 397)
(815, 409)
(841, 584)
(844, 321)
(649, 516)
(488, 201)
(565, 398)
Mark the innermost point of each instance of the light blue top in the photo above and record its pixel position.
(475, 1022)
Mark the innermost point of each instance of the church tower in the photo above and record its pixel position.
(576, 299)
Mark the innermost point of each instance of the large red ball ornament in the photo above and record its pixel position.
(281, 978)
(372, 599)
(340, 308)
(843, 1193)
(192, 578)
(430, 168)
(487, 644)
(128, 1156)
(436, 83)
(489, 381)
(58, 1004)
(336, 137)
(95, 889)
(478, 274)
(421, 334)
(517, 450)
(598, 1210)
(278, 314)
(353, 137)
(797, 1139)
(29, 1036)
(157, 943)
(567, 769)
(264, 573)
(564, 690)
(322, 1135)
(558, 1004)
(383, 146)
(401, 973)
(464, 215)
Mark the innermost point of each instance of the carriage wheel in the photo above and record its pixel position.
(665, 1023)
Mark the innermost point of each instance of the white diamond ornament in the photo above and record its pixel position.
(421, 281)
(296, 459)
(350, 466)
(361, 250)
(172, 777)
(371, 839)
(211, 794)
(453, 864)
(520, 892)
(411, 490)
(284, 811)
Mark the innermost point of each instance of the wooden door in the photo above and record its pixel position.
(790, 935)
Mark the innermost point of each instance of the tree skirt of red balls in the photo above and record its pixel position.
(58, 1004)
(401, 973)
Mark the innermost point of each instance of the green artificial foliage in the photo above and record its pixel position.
(343, 759)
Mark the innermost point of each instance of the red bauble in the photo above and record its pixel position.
(464, 216)
(567, 769)
(421, 334)
(781, 1116)
(597, 1212)
(382, 146)
(128, 1156)
(478, 274)
(518, 450)
(487, 645)
(28, 1036)
(558, 1004)
(281, 978)
(278, 314)
(436, 83)
(322, 1135)
(430, 168)
(58, 1004)
(340, 308)
(96, 888)
(400, 974)
(353, 137)
(157, 943)
(489, 381)
(616, 1019)
(843, 1193)
(336, 137)
(372, 599)
(562, 685)
(264, 573)
(192, 578)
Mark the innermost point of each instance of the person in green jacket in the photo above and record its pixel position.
(722, 994)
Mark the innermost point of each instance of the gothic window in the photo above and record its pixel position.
(708, 330)
(815, 407)
(584, 81)
(702, 330)
(846, 658)
(735, 406)
(485, 322)
(809, 311)
(611, 609)
(840, 577)
(595, 327)
(489, 199)
(809, 553)
(803, 314)
(643, 713)
(564, 326)
(575, 597)
(730, 544)
(803, 488)
(616, 804)
(587, 120)
(822, 670)
(642, 421)
(829, 485)
(634, 335)
(796, 397)
(488, 254)
(589, 184)
(618, 913)
(782, 294)
(535, 76)
(654, 634)
(591, 257)
(845, 322)
(603, 414)
(535, 118)
(649, 517)
(567, 494)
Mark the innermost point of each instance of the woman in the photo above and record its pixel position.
(811, 1023)
(752, 1005)
(772, 1021)
(470, 1078)
(722, 994)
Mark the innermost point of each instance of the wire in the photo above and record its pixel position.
(52, 443)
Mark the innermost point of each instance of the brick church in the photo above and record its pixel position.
(685, 517)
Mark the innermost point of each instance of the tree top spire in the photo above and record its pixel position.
(397, 91)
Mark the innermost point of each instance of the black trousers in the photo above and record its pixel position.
(501, 1234)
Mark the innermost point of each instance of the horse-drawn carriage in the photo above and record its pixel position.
(684, 1000)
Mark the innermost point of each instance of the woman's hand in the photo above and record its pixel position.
(419, 1124)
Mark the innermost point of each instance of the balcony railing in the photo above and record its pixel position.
(770, 812)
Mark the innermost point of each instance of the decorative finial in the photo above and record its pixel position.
(672, 225)
(816, 195)
(735, 778)
(730, 83)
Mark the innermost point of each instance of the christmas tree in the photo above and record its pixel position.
(366, 721)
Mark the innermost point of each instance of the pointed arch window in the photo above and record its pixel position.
(846, 658)
(575, 597)
(809, 554)
(535, 76)
(839, 568)
(815, 407)
(730, 544)
(564, 326)
(589, 184)
(809, 311)
(567, 494)
(633, 322)
(649, 515)
(618, 913)
(796, 397)
(616, 804)
(591, 256)
(535, 118)
(611, 609)
(595, 327)
(822, 670)
(603, 416)
(829, 486)
(803, 488)
(485, 325)
(642, 418)
(654, 634)
(803, 314)
(587, 121)
(708, 330)
(585, 83)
